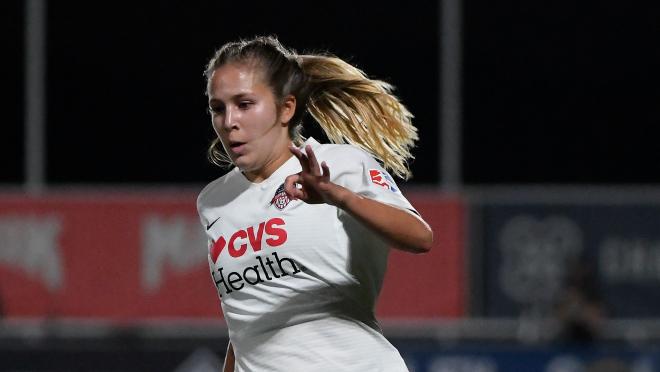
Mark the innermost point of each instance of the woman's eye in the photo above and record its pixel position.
(216, 109)
(244, 105)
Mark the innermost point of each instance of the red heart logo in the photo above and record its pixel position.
(217, 247)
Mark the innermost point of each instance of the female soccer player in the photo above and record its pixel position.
(299, 231)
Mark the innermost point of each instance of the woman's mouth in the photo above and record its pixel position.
(237, 147)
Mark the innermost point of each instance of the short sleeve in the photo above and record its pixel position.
(356, 170)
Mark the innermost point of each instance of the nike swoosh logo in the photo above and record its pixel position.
(212, 223)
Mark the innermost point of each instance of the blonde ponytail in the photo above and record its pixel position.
(351, 108)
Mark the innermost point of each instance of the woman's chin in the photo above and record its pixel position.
(242, 165)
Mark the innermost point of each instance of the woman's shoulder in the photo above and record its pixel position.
(343, 153)
(218, 187)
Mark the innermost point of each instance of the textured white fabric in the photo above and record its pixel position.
(298, 282)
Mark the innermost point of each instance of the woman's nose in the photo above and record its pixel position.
(229, 118)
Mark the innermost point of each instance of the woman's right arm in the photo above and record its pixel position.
(229, 359)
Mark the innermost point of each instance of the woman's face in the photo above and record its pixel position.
(246, 119)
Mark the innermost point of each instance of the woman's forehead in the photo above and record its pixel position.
(234, 78)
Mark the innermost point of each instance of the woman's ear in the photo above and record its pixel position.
(288, 109)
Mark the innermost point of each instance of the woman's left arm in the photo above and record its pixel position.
(403, 229)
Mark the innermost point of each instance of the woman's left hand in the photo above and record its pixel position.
(405, 230)
(312, 185)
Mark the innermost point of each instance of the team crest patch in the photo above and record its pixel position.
(280, 200)
(382, 179)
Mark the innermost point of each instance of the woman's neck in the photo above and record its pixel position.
(261, 174)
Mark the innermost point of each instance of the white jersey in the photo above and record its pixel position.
(298, 282)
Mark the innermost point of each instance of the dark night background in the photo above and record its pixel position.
(553, 92)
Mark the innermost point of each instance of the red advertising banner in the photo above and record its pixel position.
(143, 256)
(431, 285)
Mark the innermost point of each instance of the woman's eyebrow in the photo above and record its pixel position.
(234, 97)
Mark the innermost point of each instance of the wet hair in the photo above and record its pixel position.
(349, 106)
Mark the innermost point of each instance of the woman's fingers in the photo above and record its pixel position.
(326, 170)
(309, 163)
(313, 163)
(290, 187)
(309, 184)
(302, 158)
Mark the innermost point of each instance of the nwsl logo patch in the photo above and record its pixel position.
(280, 200)
(382, 179)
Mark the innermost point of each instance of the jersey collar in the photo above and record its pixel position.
(290, 166)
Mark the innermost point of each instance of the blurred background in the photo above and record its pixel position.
(538, 167)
